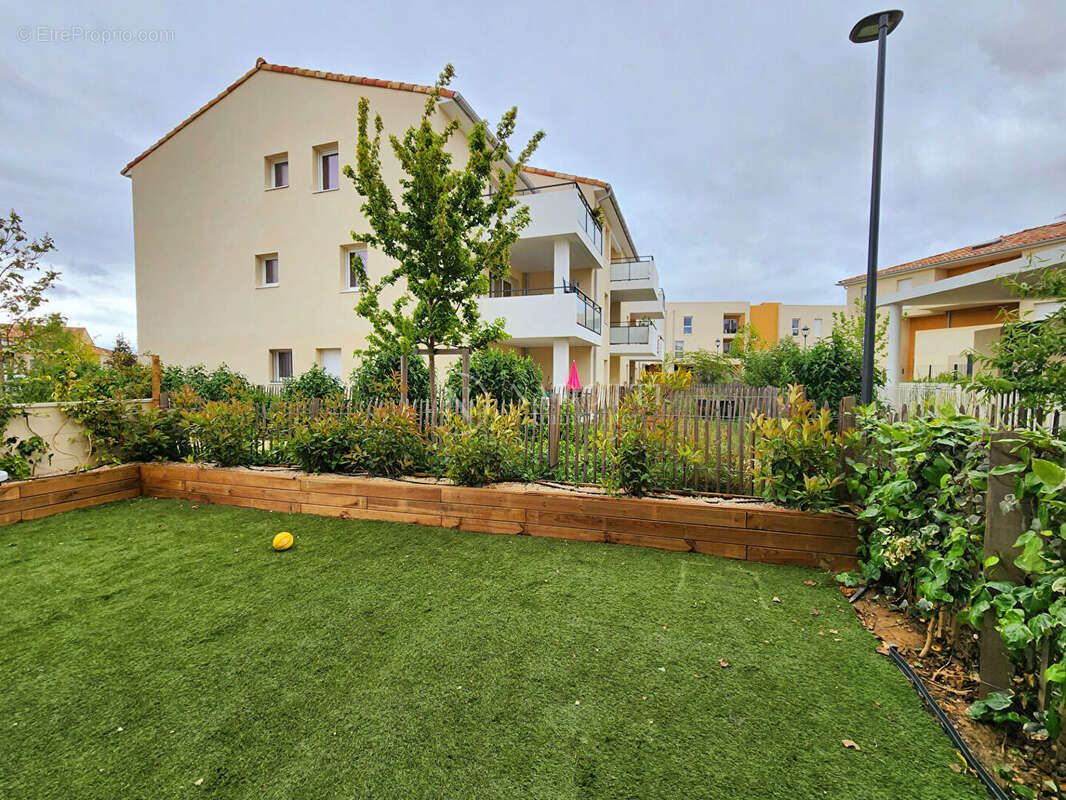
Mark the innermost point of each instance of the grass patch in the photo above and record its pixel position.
(149, 645)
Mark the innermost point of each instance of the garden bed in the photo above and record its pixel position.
(721, 528)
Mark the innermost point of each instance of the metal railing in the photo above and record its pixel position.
(637, 268)
(586, 218)
(589, 313)
(640, 332)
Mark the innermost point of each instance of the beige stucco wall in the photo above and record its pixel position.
(943, 348)
(68, 449)
(708, 323)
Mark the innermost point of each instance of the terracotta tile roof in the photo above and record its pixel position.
(565, 176)
(1002, 244)
(261, 64)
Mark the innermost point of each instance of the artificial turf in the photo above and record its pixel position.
(153, 649)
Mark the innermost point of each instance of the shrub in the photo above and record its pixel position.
(502, 374)
(315, 384)
(21, 456)
(486, 449)
(1030, 613)
(797, 455)
(119, 431)
(390, 443)
(219, 385)
(831, 370)
(922, 484)
(772, 366)
(324, 444)
(641, 456)
(377, 377)
(707, 367)
(225, 431)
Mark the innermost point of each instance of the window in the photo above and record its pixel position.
(679, 348)
(267, 270)
(795, 326)
(330, 360)
(280, 365)
(903, 284)
(350, 259)
(277, 171)
(730, 325)
(728, 343)
(817, 329)
(326, 167)
(686, 326)
(502, 287)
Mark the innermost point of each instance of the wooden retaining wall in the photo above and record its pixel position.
(42, 497)
(777, 537)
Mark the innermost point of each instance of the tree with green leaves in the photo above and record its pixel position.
(450, 231)
(21, 292)
(1030, 356)
(852, 327)
(707, 367)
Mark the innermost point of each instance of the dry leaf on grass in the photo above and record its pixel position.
(955, 767)
(777, 599)
(723, 663)
(850, 744)
(815, 613)
(810, 583)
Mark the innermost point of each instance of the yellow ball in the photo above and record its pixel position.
(283, 541)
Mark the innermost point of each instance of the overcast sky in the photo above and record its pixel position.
(737, 135)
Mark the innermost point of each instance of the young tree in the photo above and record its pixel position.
(20, 294)
(852, 327)
(707, 367)
(1030, 356)
(450, 231)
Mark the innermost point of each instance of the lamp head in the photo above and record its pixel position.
(868, 28)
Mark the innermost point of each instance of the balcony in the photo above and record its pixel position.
(730, 325)
(538, 317)
(634, 279)
(558, 211)
(636, 340)
(648, 309)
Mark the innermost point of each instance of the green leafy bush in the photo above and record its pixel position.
(1031, 615)
(832, 370)
(216, 386)
(922, 484)
(377, 377)
(487, 449)
(707, 367)
(119, 431)
(325, 443)
(315, 384)
(641, 455)
(389, 443)
(225, 432)
(20, 456)
(504, 375)
(797, 455)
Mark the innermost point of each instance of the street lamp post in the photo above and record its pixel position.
(805, 330)
(717, 345)
(874, 27)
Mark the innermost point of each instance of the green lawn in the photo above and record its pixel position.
(149, 645)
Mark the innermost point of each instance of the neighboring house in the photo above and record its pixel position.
(943, 308)
(102, 354)
(712, 326)
(242, 224)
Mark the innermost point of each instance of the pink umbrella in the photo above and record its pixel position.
(573, 383)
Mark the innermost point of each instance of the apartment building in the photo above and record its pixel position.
(243, 246)
(712, 326)
(943, 308)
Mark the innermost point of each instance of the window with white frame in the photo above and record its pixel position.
(327, 167)
(277, 171)
(686, 326)
(679, 347)
(267, 270)
(280, 365)
(795, 326)
(817, 328)
(354, 262)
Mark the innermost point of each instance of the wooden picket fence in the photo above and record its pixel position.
(706, 430)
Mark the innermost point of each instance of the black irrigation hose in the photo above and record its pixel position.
(993, 788)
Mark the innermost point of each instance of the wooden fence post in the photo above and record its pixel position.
(553, 431)
(1001, 531)
(846, 414)
(157, 380)
(466, 383)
